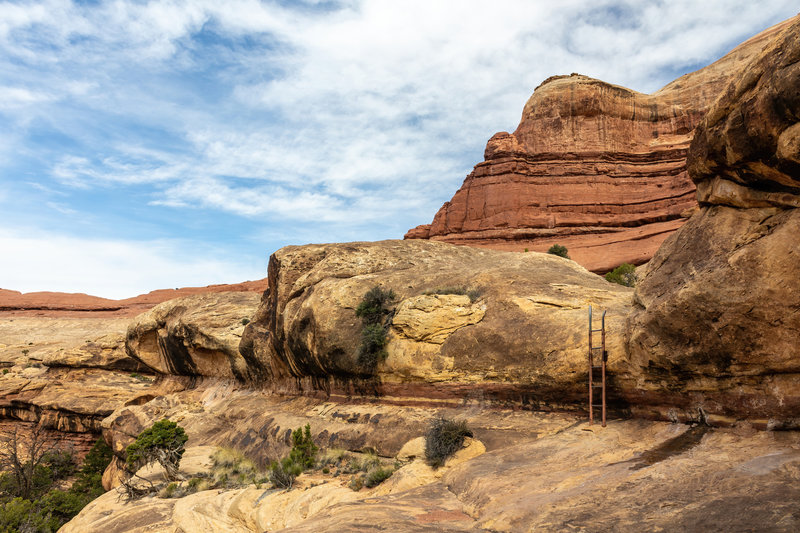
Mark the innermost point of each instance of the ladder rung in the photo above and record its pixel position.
(597, 347)
(596, 330)
(597, 405)
(597, 367)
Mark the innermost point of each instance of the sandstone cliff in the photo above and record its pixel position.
(593, 166)
(717, 319)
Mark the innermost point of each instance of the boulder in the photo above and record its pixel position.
(519, 334)
(715, 330)
(196, 335)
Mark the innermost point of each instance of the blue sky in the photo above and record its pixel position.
(148, 145)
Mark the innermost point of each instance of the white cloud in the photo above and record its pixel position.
(364, 116)
(37, 261)
(15, 97)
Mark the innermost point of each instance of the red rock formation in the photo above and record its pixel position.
(596, 167)
(14, 303)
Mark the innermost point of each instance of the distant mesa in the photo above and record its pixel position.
(595, 167)
(77, 304)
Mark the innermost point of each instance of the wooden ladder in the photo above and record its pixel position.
(594, 352)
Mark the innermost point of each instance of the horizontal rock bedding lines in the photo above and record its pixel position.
(587, 158)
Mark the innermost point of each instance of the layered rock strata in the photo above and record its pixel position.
(519, 339)
(194, 336)
(717, 319)
(76, 305)
(66, 374)
(595, 167)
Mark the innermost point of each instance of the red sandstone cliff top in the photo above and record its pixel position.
(15, 303)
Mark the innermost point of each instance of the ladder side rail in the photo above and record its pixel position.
(604, 357)
(591, 368)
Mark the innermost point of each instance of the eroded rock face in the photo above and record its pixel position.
(522, 339)
(194, 336)
(65, 373)
(718, 312)
(593, 166)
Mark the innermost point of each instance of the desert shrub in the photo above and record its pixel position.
(373, 306)
(20, 514)
(373, 346)
(49, 508)
(625, 274)
(89, 481)
(245, 321)
(473, 294)
(376, 476)
(232, 468)
(168, 491)
(444, 438)
(282, 474)
(162, 443)
(356, 483)
(332, 456)
(301, 457)
(373, 311)
(558, 250)
(5, 371)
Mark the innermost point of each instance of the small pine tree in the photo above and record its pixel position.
(162, 443)
(304, 451)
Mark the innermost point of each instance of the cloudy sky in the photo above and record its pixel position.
(156, 144)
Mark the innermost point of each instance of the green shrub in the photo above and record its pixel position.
(373, 346)
(473, 294)
(231, 468)
(24, 515)
(558, 250)
(373, 309)
(89, 481)
(444, 438)
(54, 507)
(376, 476)
(282, 474)
(301, 457)
(625, 274)
(168, 491)
(62, 506)
(245, 321)
(332, 456)
(356, 483)
(5, 371)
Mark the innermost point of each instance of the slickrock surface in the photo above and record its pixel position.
(522, 340)
(74, 305)
(593, 166)
(718, 311)
(67, 373)
(194, 336)
(537, 471)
